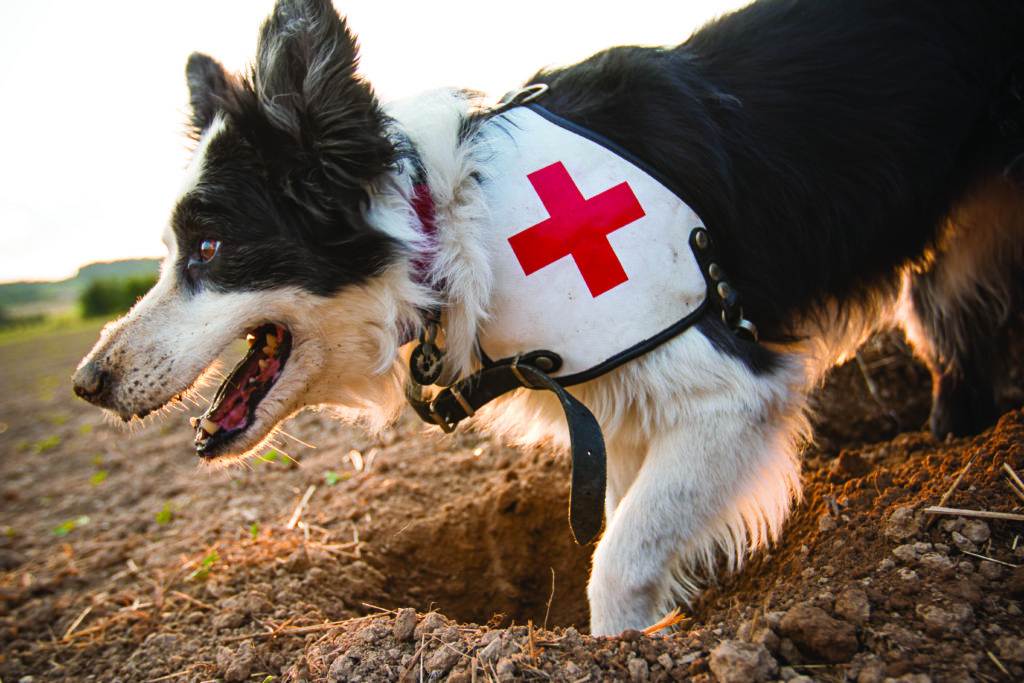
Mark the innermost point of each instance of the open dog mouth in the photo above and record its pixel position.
(234, 406)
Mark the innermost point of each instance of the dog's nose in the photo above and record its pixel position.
(89, 381)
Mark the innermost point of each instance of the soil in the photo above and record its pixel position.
(122, 559)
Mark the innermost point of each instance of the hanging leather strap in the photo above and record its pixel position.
(462, 399)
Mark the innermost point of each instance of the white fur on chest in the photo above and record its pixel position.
(590, 254)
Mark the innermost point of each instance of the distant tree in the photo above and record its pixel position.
(113, 295)
(134, 288)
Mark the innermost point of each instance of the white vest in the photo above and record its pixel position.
(591, 253)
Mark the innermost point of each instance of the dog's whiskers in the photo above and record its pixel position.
(295, 462)
(296, 439)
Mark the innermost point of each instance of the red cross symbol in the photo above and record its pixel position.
(577, 227)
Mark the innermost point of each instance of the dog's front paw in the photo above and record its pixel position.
(616, 606)
(961, 407)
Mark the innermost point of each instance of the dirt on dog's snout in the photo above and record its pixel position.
(121, 560)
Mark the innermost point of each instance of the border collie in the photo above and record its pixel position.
(858, 163)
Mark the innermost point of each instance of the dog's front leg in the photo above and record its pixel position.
(625, 457)
(722, 479)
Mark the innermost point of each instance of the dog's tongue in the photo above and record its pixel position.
(247, 384)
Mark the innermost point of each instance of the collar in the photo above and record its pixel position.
(427, 357)
(423, 205)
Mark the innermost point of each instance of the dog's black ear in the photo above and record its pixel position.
(307, 88)
(207, 86)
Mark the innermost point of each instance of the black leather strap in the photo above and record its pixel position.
(461, 400)
(720, 290)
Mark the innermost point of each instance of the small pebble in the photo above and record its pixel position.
(430, 623)
(902, 524)
(976, 530)
(491, 652)
(638, 670)
(733, 661)
(990, 570)
(405, 624)
(905, 553)
(853, 605)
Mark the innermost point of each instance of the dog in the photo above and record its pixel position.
(858, 164)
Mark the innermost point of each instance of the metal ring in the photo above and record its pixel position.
(428, 335)
(749, 327)
(741, 324)
(532, 92)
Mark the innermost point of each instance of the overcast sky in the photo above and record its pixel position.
(94, 98)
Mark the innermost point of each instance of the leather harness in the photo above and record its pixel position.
(460, 400)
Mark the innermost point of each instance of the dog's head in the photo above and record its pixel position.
(272, 239)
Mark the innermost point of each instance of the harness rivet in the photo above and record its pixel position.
(715, 272)
(544, 363)
(701, 239)
(724, 290)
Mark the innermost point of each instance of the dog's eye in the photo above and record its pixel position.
(208, 249)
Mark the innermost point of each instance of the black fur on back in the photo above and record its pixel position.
(822, 141)
(283, 187)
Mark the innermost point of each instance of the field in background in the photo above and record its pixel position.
(57, 305)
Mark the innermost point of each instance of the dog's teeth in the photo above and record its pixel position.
(263, 365)
(269, 351)
(252, 380)
(272, 341)
(250, 339)
(209, 426)
(194, 421)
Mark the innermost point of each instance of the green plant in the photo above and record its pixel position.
(98, 477)
(67, 526)
(203, 570)
(165, 515)
(254, 530)
(269, 456)
(43, 445)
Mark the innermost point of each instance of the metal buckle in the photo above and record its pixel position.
(446, 426)
(518, 374)
(462, 401)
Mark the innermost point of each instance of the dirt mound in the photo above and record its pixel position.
(120, 561)
(865, 586)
